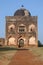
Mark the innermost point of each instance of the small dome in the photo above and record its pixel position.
(22, 12)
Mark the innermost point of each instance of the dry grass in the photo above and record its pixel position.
(38, 51)
(6, 56)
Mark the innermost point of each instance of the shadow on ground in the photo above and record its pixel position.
(11, 48)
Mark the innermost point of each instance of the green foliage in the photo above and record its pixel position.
(39, 44)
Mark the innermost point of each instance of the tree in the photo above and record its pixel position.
(39, 44)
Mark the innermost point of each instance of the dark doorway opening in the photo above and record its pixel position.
(21, 43)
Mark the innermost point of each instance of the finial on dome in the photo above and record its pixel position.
(22, 6)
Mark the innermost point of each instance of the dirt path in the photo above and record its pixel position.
(25, 57)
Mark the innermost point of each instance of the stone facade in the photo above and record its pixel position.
(21, 29)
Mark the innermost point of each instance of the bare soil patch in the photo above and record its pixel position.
(25, 57)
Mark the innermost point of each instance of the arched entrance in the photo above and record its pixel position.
(21, 43)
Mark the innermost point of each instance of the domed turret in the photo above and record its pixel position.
(22, 12)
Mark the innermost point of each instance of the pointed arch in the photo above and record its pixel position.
(32, 28)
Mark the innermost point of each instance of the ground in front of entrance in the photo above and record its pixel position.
(25, 57)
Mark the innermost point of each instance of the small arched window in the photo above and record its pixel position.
(32, 28)
(11, 28)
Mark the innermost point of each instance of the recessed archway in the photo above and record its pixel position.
(32, 41)
(21, 43)
(11, 41)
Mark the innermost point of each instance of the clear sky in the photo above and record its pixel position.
(8, 7)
